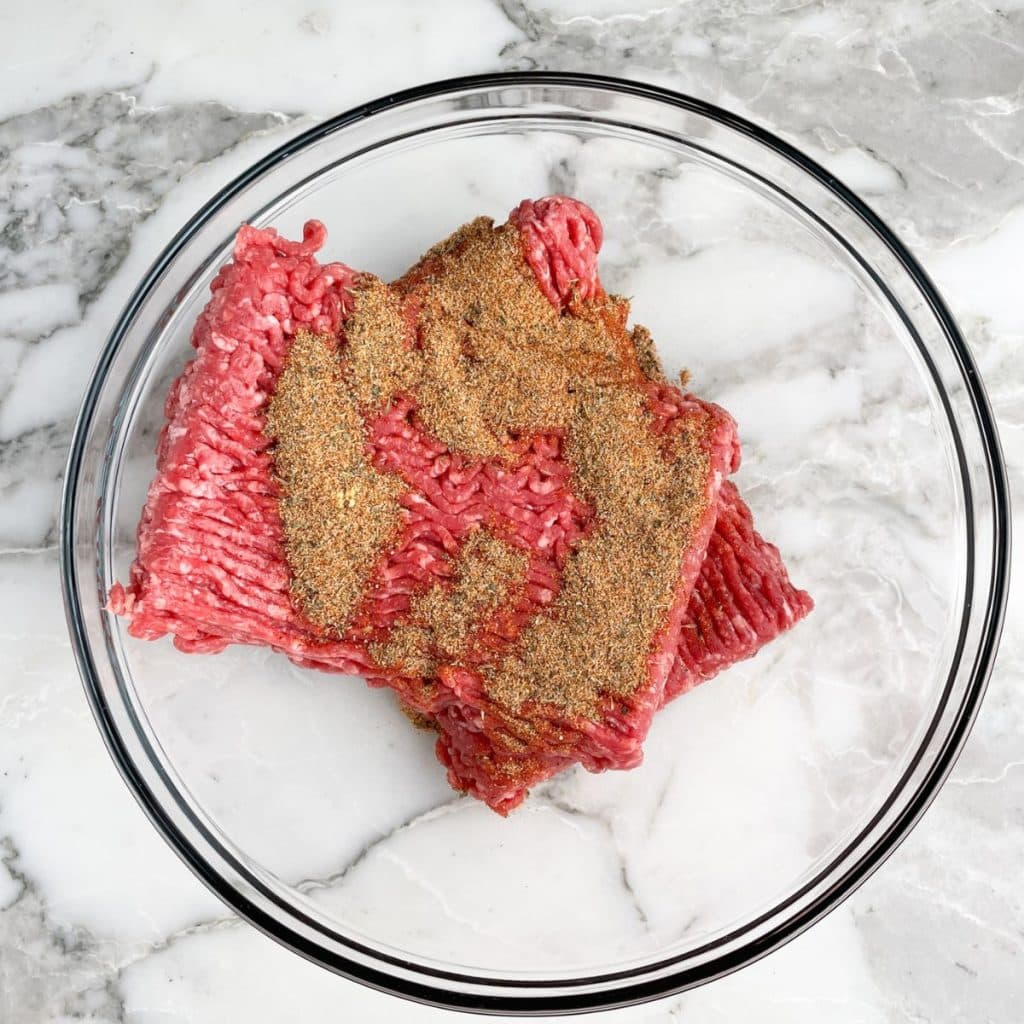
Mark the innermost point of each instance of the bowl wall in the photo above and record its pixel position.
(309, 803)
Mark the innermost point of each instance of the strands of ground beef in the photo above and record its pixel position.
(211, 566)
(486, 751)
(496, 752)
(578, 673)
(743, 599)
(561, 238)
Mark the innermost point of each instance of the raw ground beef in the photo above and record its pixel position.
(742, 599)
(490, 751)
(211, 568)
(734, 593)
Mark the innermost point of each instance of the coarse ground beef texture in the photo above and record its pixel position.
(210, 567)
(212, 564)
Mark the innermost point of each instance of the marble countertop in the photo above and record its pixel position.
(117, 121)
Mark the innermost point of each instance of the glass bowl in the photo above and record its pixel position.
(308, 804)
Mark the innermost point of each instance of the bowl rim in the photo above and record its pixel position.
(638, 989)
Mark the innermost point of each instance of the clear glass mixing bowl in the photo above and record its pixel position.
(308, 803)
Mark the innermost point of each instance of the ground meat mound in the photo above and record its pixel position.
(212, 562)
(210, 568)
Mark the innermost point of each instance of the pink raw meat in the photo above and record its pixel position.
(743, 599)
(497, 755)
(210, 566)
(740, 571)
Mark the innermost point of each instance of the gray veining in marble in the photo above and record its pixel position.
(76, 180)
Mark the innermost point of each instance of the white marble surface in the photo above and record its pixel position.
(115, 123)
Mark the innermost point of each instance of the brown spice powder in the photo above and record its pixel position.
(339, 514)
(471, 338)
(488, 357)
(441, 622)
(620, 584)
